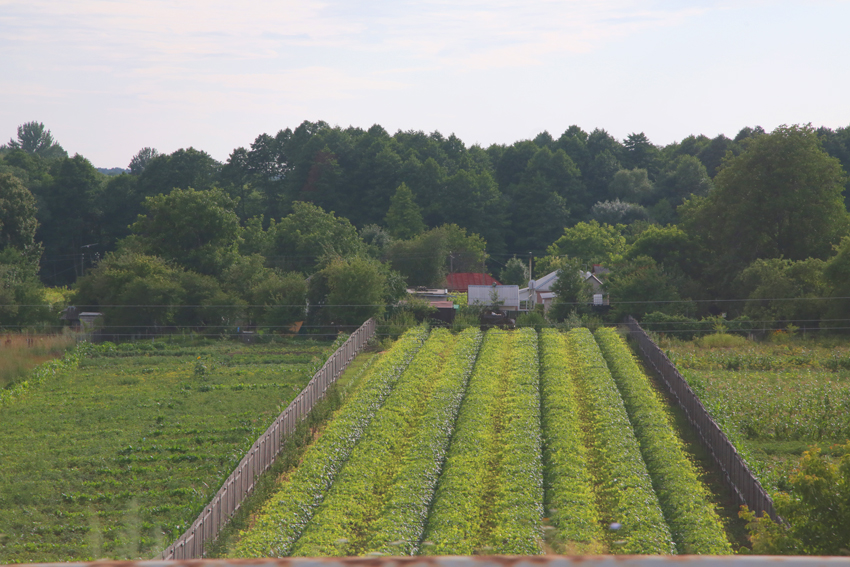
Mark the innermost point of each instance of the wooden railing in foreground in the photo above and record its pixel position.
(740, 480)
(263, 452)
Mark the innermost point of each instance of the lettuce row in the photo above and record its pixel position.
(489, 498)
(624, 486)
(343, 522)
(570, 500)
(684, 498)
(289, 510)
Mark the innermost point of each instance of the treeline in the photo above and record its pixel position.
(757, 216)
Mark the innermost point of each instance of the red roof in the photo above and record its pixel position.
(461, 282)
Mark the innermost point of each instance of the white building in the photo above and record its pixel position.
(507, 295)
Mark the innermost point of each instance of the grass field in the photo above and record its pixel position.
(115, 459)
(773, 400)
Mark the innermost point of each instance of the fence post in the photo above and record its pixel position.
(191, 544)
(741, 481)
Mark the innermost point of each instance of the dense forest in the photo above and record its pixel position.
(345, 219)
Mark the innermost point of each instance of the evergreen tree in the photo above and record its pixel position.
(404, 218)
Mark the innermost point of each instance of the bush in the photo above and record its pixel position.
(532, 319)
(817, 509)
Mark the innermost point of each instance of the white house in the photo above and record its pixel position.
(540, 291)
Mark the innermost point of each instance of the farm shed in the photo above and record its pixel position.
(483, 295)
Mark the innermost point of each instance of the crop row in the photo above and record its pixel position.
(490, 496)
(684, 499)
(627, 499)
(413, 420)
(570, 500)
(290, 509)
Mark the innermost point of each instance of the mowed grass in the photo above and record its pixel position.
(773, 400)
(115, 459)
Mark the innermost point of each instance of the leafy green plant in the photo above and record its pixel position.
(817, 509)
(490, 495)
(383, 508)
(625, 492)
(570, 500)
(695, 525)
(286, 515)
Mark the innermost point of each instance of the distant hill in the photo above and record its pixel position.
(113, 170)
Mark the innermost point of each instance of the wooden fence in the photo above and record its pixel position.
(744, 485)
(263, 452)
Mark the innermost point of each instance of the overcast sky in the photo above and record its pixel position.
(109, 77)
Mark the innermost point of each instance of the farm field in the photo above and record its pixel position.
(773, 400)
(510, 443)
(115, 458)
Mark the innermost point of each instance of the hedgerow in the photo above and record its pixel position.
(287, 513)
(684, 499)
(625, 488)
(570, 501)
(490, 497)
(343, 523)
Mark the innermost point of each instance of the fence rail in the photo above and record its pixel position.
(263, 452)
(740, 480)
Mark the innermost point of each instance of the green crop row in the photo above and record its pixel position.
(399, 528)
(291, 508)
(490, 496)
(684, 499)
(627, 499)
(570, 501)
(344, 523)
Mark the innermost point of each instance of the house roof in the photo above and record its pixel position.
(461, 281)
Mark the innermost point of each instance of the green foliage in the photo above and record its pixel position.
(136, 451)
(625, 488)
(135, 291)
(771, 283)
(515, 272)
(570, 500)
(17, 214)
(641, 286)
(780, 198)
(531, 319)
(422, 260)
(349, 291)
(618, 212)
(284, 518)
(197, 229)
(685, 501)
(309, 234)
(590, 242)
(404, 218)
(490, 495)
(383, 508)
(631, 186)
(22, 297)
(34, 139)
(571, 290)
(817, 509)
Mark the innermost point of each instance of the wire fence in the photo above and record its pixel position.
(744, 485)
(262, 454)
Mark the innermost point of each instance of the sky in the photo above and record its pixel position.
(109, 77)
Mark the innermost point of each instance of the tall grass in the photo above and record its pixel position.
(21, 353)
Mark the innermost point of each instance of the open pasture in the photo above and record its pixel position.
(114, 458)
(773, 400)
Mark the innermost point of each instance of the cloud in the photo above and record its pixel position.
(465, 35)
